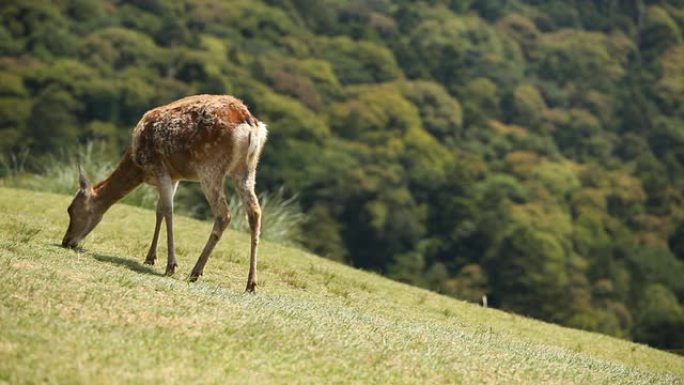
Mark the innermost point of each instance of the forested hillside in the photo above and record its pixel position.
(532, 151)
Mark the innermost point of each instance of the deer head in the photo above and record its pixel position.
(84, 214)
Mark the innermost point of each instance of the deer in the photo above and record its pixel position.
(201, 138)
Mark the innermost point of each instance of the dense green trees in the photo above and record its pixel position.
(532, 151)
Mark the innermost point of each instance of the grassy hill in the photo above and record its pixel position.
(100, 316)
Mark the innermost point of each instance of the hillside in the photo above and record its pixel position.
(528, 150)
(100, 316)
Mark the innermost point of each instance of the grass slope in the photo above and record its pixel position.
(100, 316)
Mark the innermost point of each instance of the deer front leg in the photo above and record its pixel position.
(213, 190)
(246, 188)
(166, 190)
(152, 253)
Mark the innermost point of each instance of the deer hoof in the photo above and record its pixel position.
(170, 269)
(194, 276)
(150, 260)
(251, 288)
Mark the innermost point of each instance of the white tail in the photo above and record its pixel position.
(257, 139)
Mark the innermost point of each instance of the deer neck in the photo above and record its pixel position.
(126, 176)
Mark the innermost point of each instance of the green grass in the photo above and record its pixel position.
(100, 316)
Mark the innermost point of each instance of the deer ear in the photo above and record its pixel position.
(83, 180)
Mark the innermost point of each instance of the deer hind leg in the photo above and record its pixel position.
(213, 190)
(167, 188)
(245, 187)
(152, 253)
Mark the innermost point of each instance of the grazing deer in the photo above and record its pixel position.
(199, 138)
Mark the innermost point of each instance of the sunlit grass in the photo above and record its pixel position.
(99, 316)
